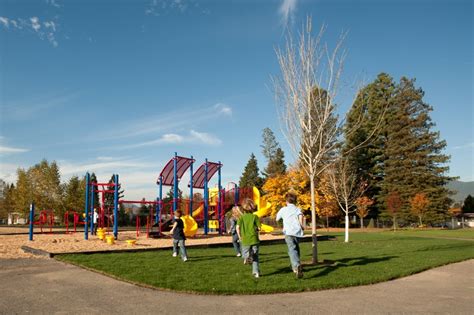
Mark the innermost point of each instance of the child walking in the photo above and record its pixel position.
(236, 213)
(178, 236)
(248, 226)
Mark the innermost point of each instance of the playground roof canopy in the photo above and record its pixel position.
(182, 164)
(198, 176)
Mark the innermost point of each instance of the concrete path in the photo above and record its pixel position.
(40, 286)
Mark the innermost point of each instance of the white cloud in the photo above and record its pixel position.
(194, 137)
(464, 146)
(68, 168)
(185, 118)
(164, 7)
(35, 23)
(286, 10)
(45, 30)
(4, 21)
(4, 149)
(204, 138)
(28, 108)
(223, 109)
(53, 3)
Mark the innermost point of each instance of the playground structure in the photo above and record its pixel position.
(208, 212)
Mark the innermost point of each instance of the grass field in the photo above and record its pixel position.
(368, 258)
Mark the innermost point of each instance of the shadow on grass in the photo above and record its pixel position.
(329, 266)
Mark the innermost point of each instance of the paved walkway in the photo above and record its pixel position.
(46, 286)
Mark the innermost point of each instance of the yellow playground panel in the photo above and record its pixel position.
(213, 224)
(263, 209)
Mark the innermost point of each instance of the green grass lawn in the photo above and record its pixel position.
(467, 233)
(368, 258)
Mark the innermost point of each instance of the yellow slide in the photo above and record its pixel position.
(264, 208)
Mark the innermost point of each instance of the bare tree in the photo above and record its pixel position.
(305, 92)
(346, 188)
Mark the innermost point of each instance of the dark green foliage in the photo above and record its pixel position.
(361, 131)
(276, 165)
(273, 153)
(74, 194)
(468, 205)
(95, 194)
(414, 162)
(404, 155)
(251, 175)
(109, 196)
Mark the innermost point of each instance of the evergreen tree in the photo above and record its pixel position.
(250, 177)
(93, 179)
(273, 153)
(109, 196)
(276, 165)
(414, 162)
(468, 205)
(366, 112)
(270, 145)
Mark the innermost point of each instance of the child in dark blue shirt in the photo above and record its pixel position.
(178, 236)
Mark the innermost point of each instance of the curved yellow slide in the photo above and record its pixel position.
(264, 208)
(190, 225)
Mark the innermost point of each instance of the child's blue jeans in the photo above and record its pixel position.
(252, 252)
(182, 248)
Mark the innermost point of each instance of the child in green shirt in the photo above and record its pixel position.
(248, 227)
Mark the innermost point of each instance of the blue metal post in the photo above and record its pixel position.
(116, 201)
(160, 205)
(93, 192)
(206, 201)
(86, 207)
(236, 195)
(175, 182)
(219, 198)
(32, 219)
(191, 188)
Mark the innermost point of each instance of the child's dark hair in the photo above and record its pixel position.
(248, 205)
(291, 198)
(179, 212)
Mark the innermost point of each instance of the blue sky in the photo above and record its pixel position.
(119, 86)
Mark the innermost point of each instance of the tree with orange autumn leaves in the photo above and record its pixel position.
(297, 182)
(363, 204)
(419, 205)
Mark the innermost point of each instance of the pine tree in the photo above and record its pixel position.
(93, 179)
(109, 196)
(270, 145)
(414, 162)
(274, 155)
(276, 165)
(251, 175)
(468, 205)
(367, 110)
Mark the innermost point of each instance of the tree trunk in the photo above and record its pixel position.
(421, 223)
(313, 223)
(327, 223)
(346, 229)
(361, 222)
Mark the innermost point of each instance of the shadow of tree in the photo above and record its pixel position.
(329, 266)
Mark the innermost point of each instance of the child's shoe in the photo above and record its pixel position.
(239, 254)
(185, 259)
(299, 272)
(256, 275)
(175, 254)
